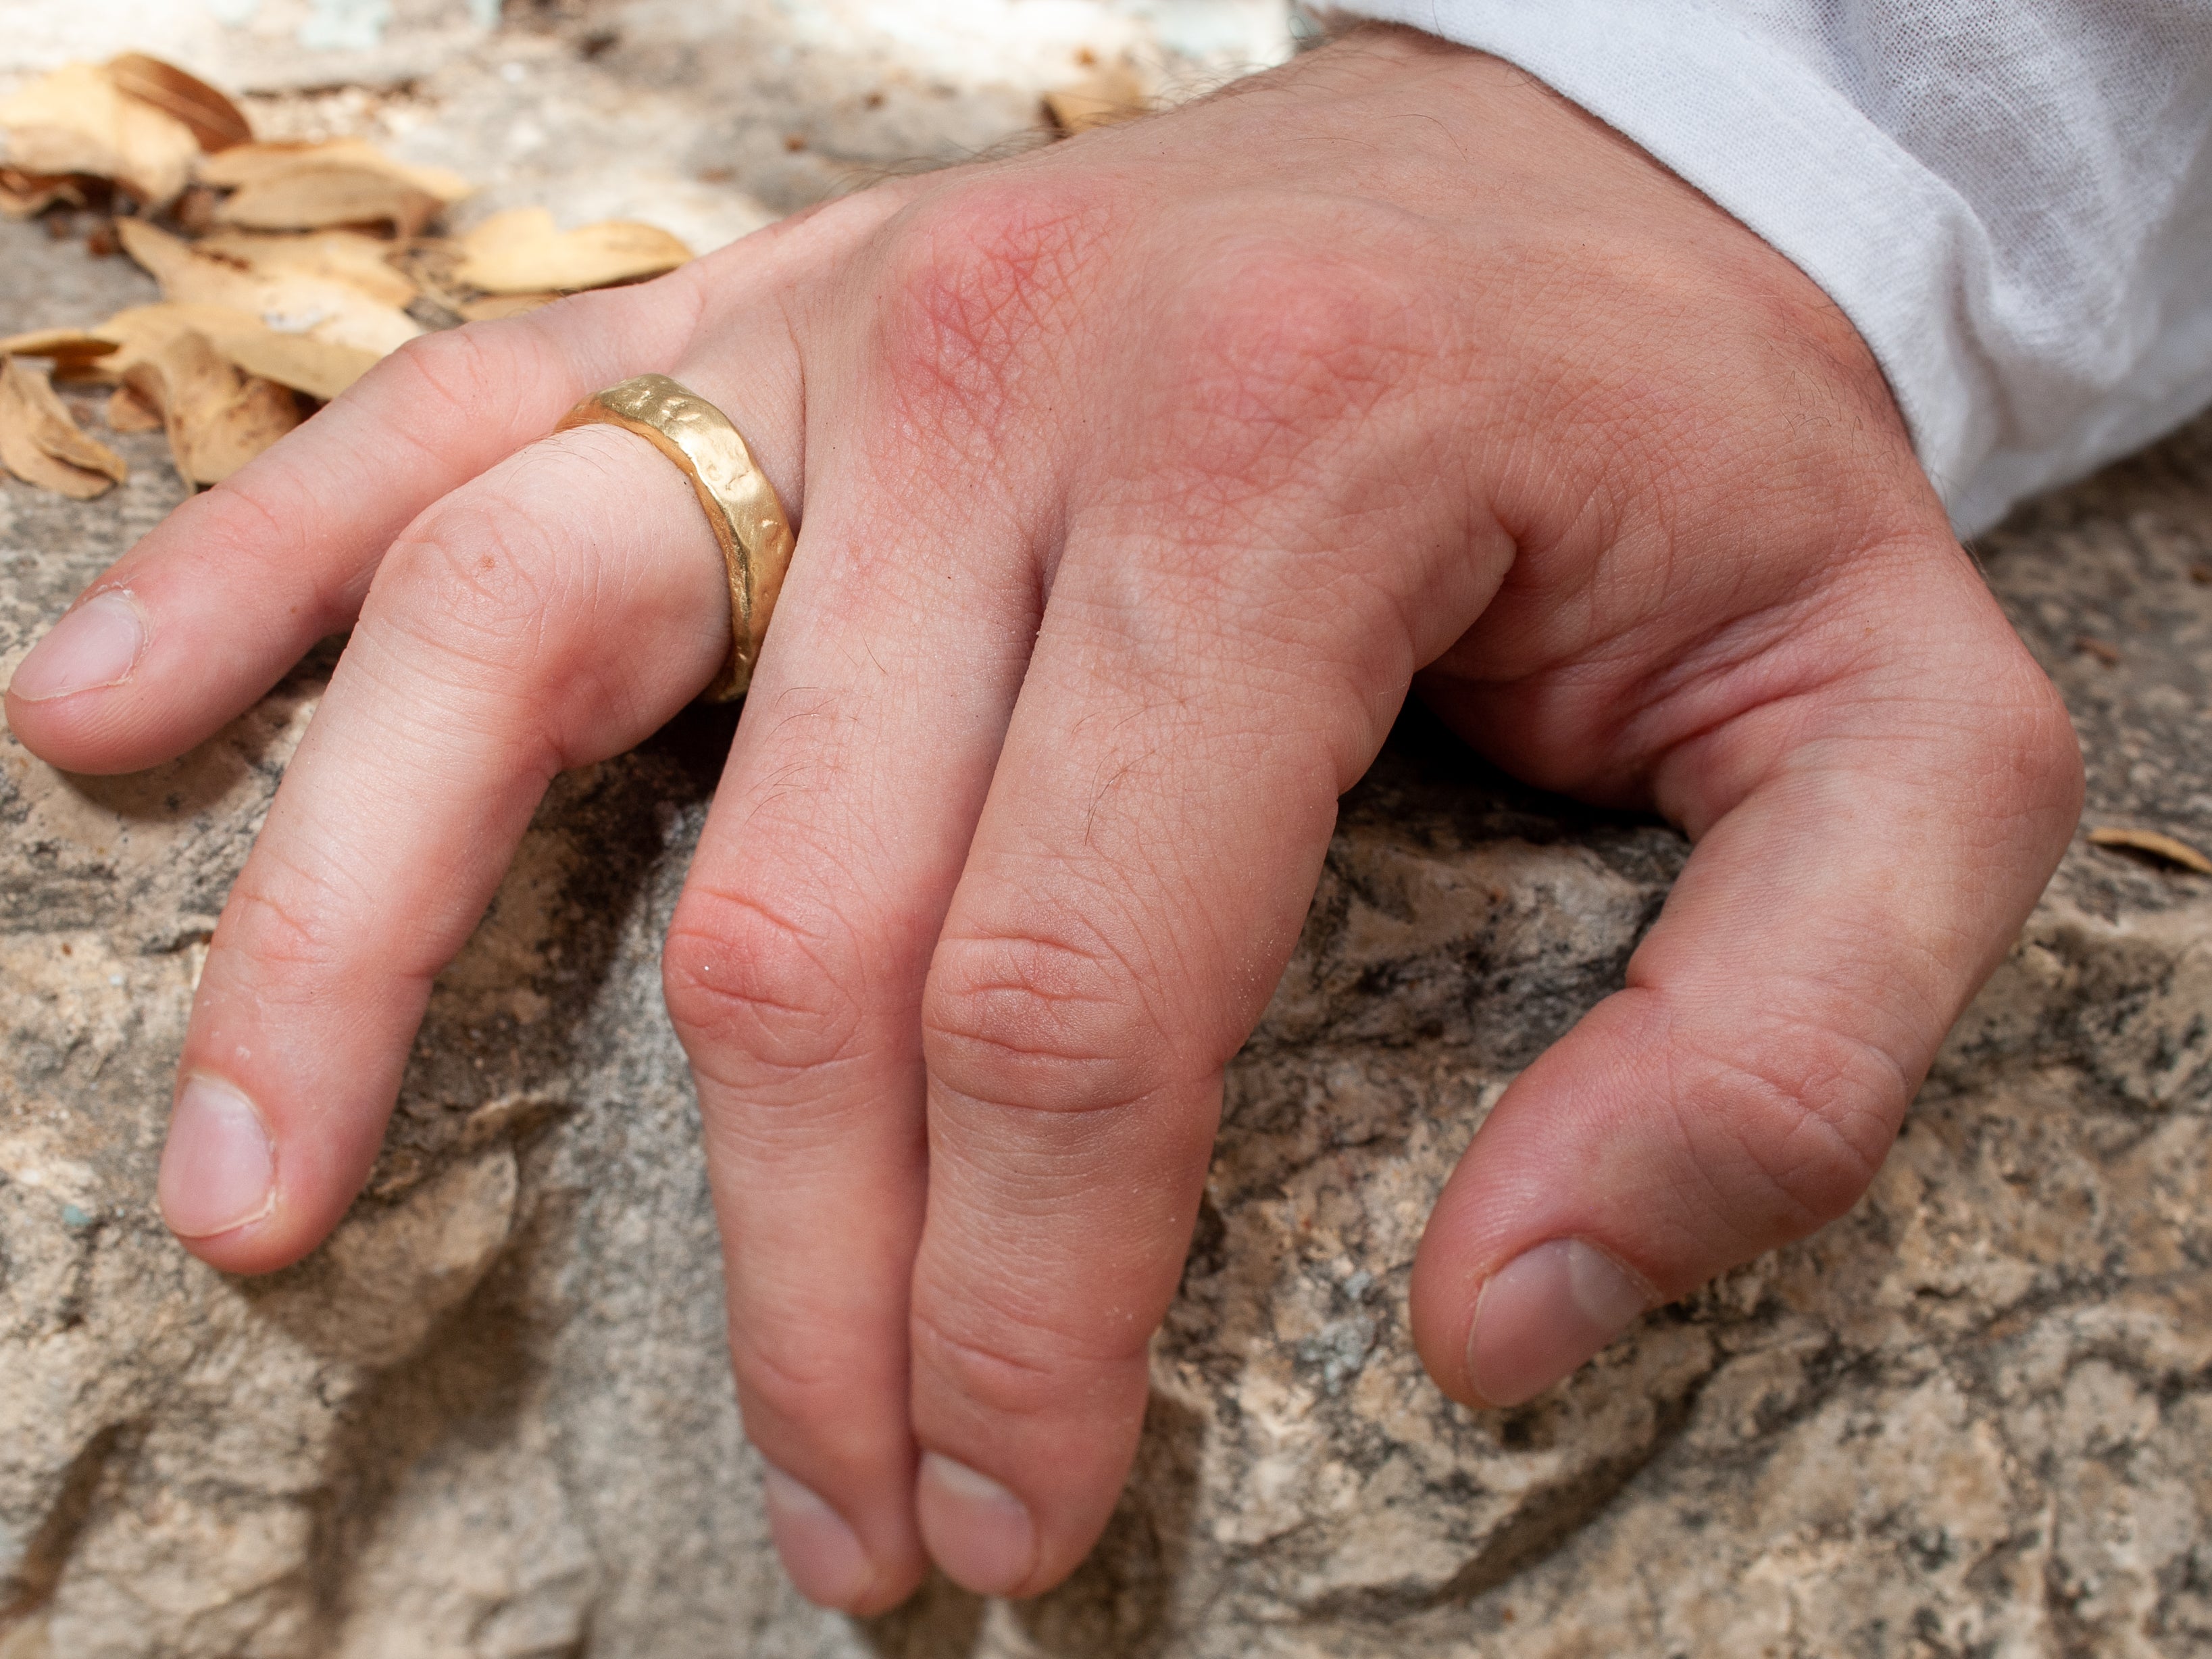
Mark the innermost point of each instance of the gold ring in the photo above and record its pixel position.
(743, 508)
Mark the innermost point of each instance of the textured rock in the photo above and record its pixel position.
(493, 1417)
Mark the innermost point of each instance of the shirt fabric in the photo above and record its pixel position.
(2011, 199)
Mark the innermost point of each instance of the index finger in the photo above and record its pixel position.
(207, 611)
(212, 607)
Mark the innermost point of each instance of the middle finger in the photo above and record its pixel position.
(794, 965)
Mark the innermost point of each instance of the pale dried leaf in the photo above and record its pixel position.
(493, 306)
(73, 351)
(306, 363)
(2165, 847)
(22, 194)
(290, 302)
(57, 431)
(218, 417)
(1110, 97)
(143, 331)
(315, 197)
(217, 123)
(257, 164)
(524, 252)
(24, 458)
(361, 262)
(127, 411)
(320, 368)
(40, 442)
(78, 120)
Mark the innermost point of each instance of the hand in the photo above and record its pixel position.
(1140, 478)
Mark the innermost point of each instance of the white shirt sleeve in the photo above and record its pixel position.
(2012, 199)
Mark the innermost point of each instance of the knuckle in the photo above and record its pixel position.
(749, 987)
(1274, 349)
(288, 916)
(1807, 1114)
(1030, 1021)
(979, 277)
(1267, 321)
(457, 371)
(777, 1384)
(252, 521)
(1014, 1367)
(2044, 750)
(274, 928)
(475, 577)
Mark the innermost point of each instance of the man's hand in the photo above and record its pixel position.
(1140, 477)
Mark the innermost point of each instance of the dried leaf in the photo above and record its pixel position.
(259, 164)
(57, 432)
(1106, 99)
(524, 252)
(347, 256)
(129, 412)
(321, 368)
(288, 303)
(2179, 854)
(78, 120)
(142, 331)
(218, 417)
(313, 198)
(74, 350)
(22, 194)
(306, 362)
(217, 123)
(23, 458)
(41, 443)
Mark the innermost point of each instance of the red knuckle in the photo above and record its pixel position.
(1275, 340)
(1271, 319)
(1030, 1021)
(748, 986)
(980, 278)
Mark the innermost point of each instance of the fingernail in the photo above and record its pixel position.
(822, 1553)
(1542, 1314)
(978, 1531)
(218, 1170)
(97, 644)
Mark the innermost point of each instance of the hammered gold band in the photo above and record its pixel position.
(743, 508)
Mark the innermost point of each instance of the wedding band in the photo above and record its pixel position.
(743, 508)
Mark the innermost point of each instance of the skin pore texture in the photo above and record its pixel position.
(1139, 481)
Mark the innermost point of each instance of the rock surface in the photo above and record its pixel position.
(493, 1418)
